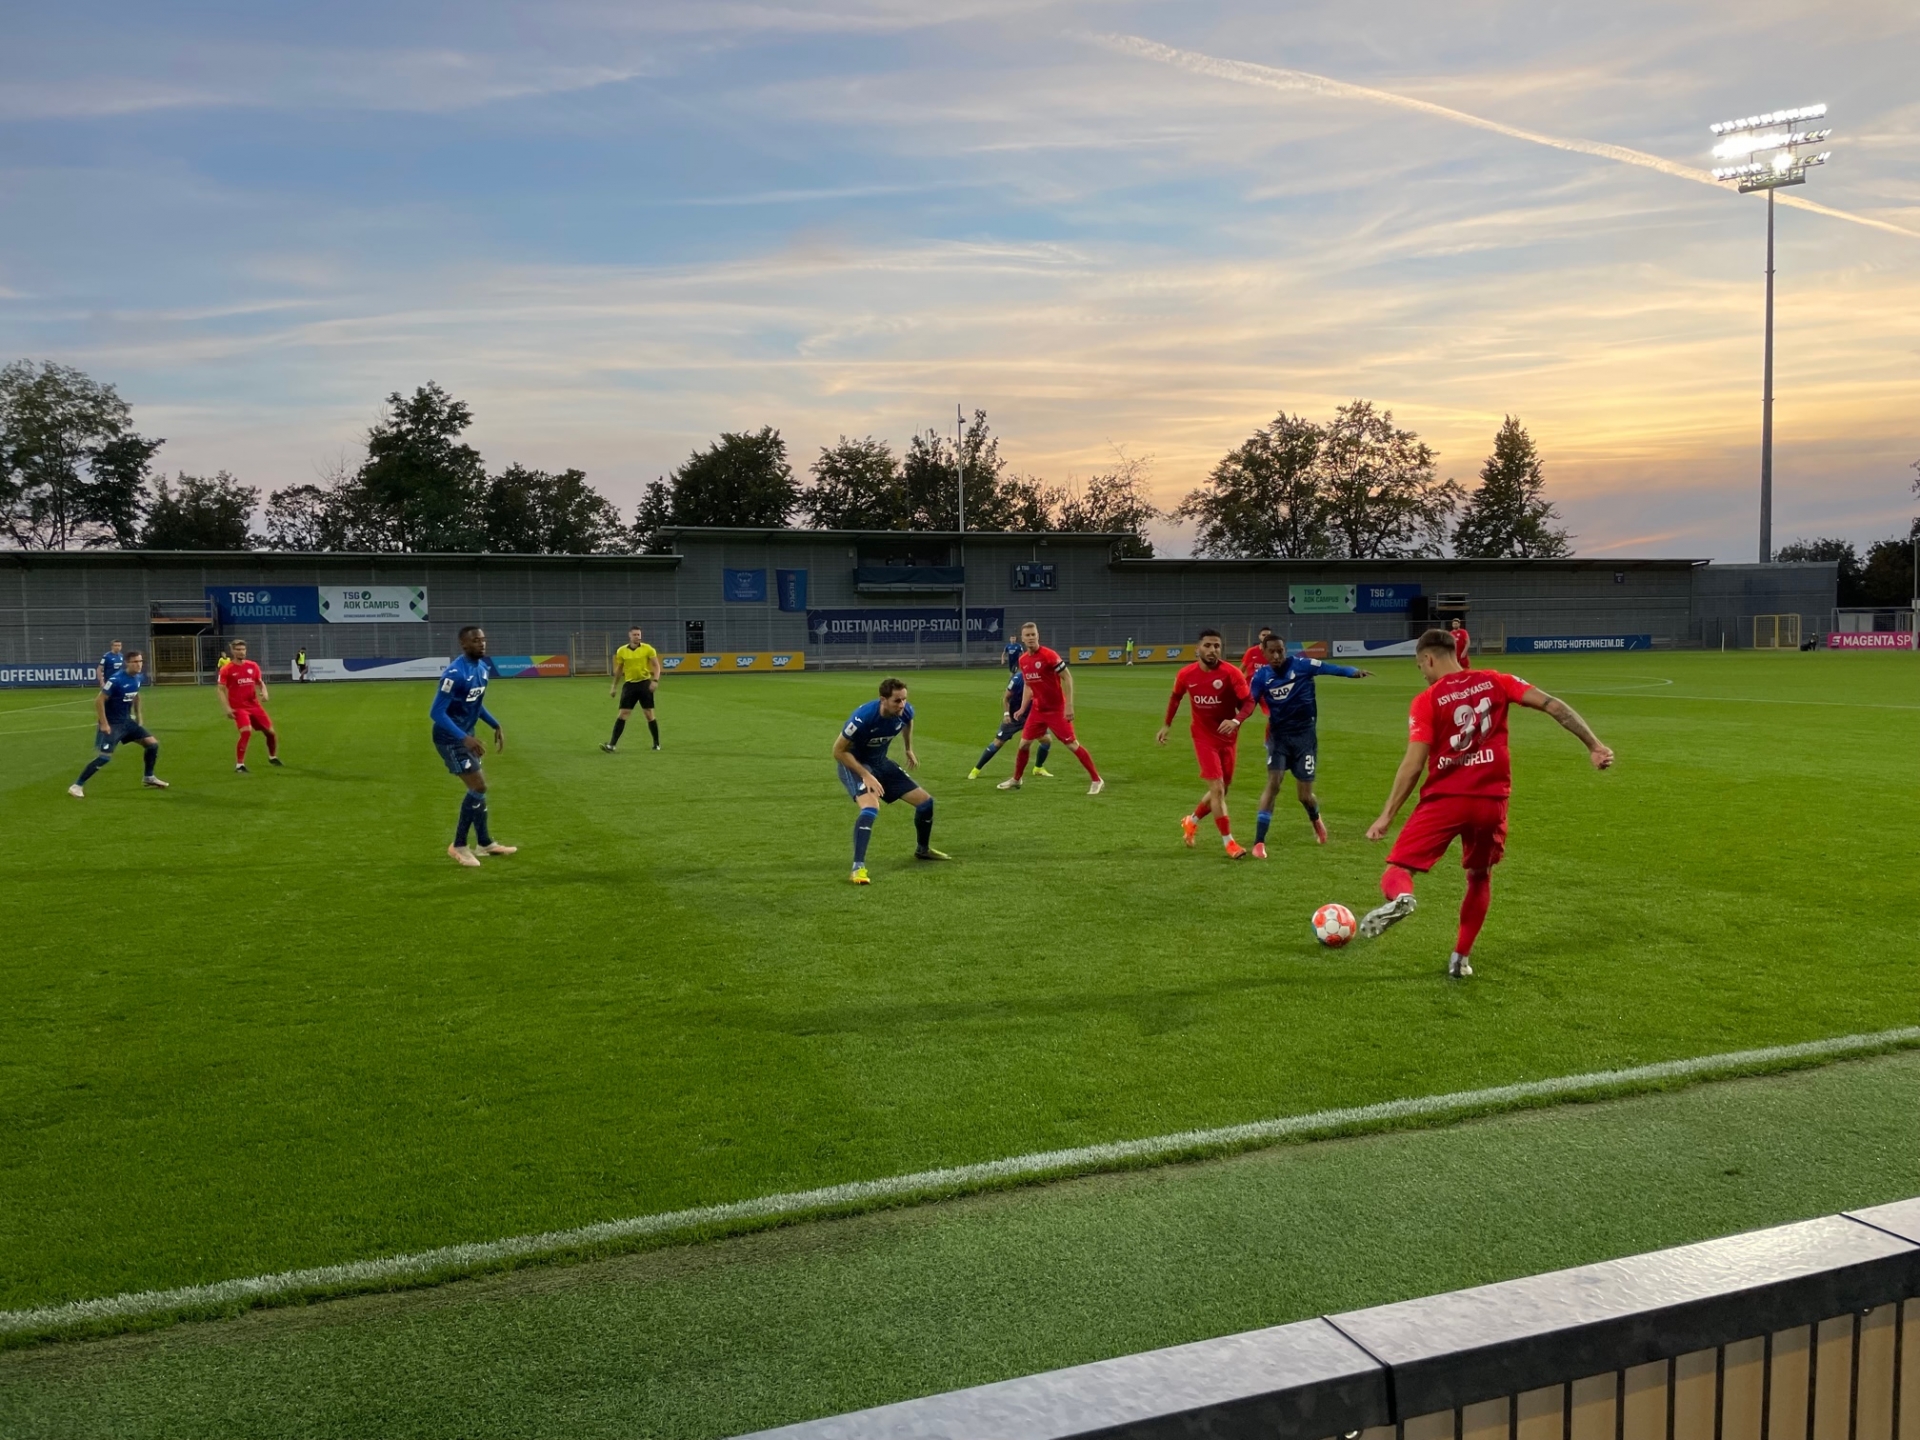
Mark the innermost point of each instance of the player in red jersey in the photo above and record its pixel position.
(1457, 730)
(1218, 698)
(1256, 655)
(242, 687)
(1048, 706)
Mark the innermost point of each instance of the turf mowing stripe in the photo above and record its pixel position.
(450, 1261)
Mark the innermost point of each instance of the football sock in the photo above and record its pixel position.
(986, 755)
(1203, 809)
(92, 769)
(1080, 754)
(862, 833)
(1222, 824)
(923, 822)
(465, 826)
(1040, 758)
(153, 757)
(1020, 763)
(240, 750)
(1260, 824)
(1473, 910)
(1313, 810)
(273, 743)
(618, 726)
(1395, 882)
(653, 726)
(480, 831)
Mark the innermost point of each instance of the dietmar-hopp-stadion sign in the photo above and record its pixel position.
(905, 626)
(317, 604)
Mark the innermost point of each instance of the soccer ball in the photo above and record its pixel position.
(1334, 926)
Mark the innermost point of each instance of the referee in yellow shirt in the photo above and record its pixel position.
(636, 670)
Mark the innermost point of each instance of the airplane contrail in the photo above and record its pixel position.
(1271, 78)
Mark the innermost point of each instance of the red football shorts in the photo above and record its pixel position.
(1481, 825)
(1215, 753)
(251, 717)
(1039, 722)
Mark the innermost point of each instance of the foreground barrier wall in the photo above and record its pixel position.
(750, 591)
(1804, 1332)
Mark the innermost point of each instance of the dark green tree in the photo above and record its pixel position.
(426, 485)
(1264, 499)
(931, 471)
(1851, 589)
(1887, 576)
(742, 479)
(1509, 516)
(531, 512)
(203, 513)
(1383, 500)
(857, 485)
(652, 515)
(1114, 502)
(72, 470)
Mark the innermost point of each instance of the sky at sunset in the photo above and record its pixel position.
(616, 230)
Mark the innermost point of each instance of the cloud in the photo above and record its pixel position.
(276, 77)
(1270, 77)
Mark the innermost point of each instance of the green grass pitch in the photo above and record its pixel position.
(256, 1023)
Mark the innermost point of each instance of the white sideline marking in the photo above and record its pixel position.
(451, 1259)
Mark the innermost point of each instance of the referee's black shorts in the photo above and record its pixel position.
(636, 695)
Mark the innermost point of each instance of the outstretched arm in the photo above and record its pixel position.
(1404, 779)
(1066, 691)
(1570, 721)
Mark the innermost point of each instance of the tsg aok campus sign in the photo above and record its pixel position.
(314, 604)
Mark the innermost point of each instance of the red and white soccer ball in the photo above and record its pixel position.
(1334, 926)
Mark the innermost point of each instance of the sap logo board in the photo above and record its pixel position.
(780, 662)
(744, 662)
(708, 662)
(1083, 654)
(669, 662)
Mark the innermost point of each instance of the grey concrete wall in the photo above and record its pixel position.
(68, 606)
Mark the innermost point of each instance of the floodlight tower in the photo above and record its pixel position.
(1772, 151)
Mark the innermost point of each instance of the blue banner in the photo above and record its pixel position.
(1384, 599)
(903, 627)
(266, 605)
(744, 587)
(1566, 644)
(50, 674)
(792, 585)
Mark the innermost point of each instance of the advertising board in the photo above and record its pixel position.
(1870, 640)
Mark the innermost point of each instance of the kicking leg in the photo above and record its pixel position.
(1397, 885)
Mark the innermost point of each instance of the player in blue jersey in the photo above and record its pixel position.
(870, 775)
(1012, 700)
(111, 663)
(117, 715)
(458, 705)
(1284, 687)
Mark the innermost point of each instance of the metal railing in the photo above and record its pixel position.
(1804, 1332)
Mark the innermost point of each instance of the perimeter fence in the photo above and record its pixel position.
(1803, 1332)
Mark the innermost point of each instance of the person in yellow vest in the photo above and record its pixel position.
(636, 670)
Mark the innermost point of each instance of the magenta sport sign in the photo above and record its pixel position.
(1870, 640)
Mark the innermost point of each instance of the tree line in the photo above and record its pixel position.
(1882, 575)
(74, 473)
